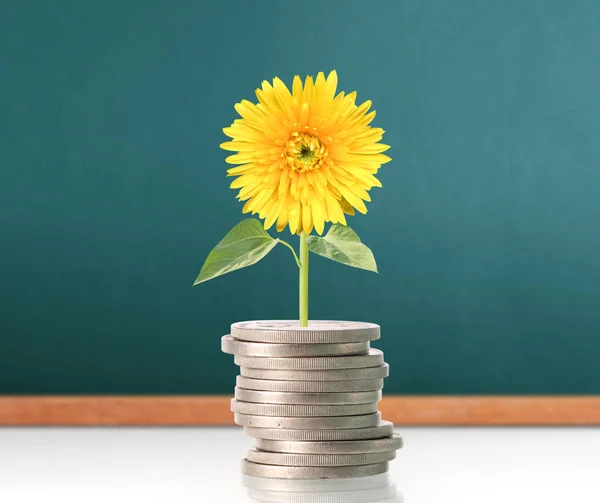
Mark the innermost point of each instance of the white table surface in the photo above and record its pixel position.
(202, 465)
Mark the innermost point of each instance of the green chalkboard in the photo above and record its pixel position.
(113, 190)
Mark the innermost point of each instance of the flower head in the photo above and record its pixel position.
(305, 157)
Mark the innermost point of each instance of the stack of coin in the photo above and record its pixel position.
(308, 396)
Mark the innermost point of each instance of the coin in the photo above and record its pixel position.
(391, 443)
(372, 359)
(308, 423)
(287, 459)
(309, 386)
(278, 397)
(311, 472)
(235, 347)
(317, 486)
(358, 496)
(317, 332)
(385, 429)
(296, 410)
(378, 372)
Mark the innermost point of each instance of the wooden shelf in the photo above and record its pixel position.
(214, 410)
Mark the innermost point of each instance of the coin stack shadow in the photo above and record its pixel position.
(377, 488)
(308, 396)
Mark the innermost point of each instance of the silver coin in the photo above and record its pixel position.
(309, 386)
(373, 358)
(242, 348)
(308, 423)
(358, 496)
(391, 443)
(311, 472)
(317, 332)
(317, 486)
(385, 429)
(276, 397)
(378, 372)
(288, 459)
(296, 410)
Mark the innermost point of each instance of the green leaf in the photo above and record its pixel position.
(243, 245)
(343, 245)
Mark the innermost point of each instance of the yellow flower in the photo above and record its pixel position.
(306, 157)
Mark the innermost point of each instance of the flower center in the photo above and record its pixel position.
(304, 152)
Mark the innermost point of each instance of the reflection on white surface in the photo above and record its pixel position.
(202, 465)
(374, 489)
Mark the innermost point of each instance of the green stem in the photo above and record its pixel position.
(293, 251)
(303, 281)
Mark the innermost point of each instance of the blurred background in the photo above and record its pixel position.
(113, 190)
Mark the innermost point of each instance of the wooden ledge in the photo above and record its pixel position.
(214, 410)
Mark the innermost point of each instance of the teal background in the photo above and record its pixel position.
(112, 190)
